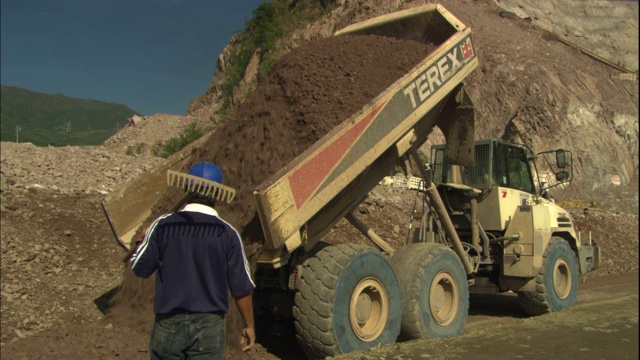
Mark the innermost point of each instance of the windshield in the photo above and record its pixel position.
(512, 168)
(507, 164)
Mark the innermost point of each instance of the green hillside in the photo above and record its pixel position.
(57, 119)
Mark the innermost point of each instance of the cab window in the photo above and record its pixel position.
(512, 168)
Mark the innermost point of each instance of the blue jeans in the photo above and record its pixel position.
(187, 336)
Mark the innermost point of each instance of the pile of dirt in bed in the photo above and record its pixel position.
(310, 91)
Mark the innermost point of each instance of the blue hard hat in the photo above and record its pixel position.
(207, 171)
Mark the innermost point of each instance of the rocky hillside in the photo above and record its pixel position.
(532, 87)
(143, 132)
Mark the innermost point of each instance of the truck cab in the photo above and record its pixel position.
(498, 209)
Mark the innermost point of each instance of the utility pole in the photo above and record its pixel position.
(18, 128)
(68, 132)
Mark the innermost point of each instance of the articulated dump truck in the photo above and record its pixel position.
(349, 297)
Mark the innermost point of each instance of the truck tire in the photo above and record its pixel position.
(347, 299)
(435, 294)
(556, 283)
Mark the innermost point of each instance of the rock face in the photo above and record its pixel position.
(606, 29)
(538, 91)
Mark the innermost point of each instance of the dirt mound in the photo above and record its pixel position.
(69, 170)
(142, 133)
(309, 92)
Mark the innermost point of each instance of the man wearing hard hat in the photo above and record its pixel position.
(199, 258)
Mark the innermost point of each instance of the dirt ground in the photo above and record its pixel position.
(602, 325)
(61, 263)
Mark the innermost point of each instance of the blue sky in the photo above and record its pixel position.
(154, 56)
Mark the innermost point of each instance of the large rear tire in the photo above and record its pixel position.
(347, 299)
(435, 294)
(556, 283)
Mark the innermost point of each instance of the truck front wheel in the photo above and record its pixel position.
(556, 283)
(347, 299)
(435, 295)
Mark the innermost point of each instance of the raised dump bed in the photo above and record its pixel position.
(302, 201)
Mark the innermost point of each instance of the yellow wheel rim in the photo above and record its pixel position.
(443, 298)
(562, 278)
(368, 309)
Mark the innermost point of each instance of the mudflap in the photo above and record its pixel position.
(589, 257)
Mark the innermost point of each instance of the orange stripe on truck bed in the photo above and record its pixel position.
(306, 179)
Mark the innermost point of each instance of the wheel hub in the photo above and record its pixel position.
(363, 308)
(562, 278)
(438, 298)
(443, 298)
(368, 309)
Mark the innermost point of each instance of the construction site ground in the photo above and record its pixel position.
(602, 325)
(60, 262)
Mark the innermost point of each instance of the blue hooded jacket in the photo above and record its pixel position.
(199, 258)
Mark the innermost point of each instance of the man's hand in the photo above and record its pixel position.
(248, 338)
(248, 334)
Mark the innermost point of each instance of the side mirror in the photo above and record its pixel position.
(562, 175)
(561, 159)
